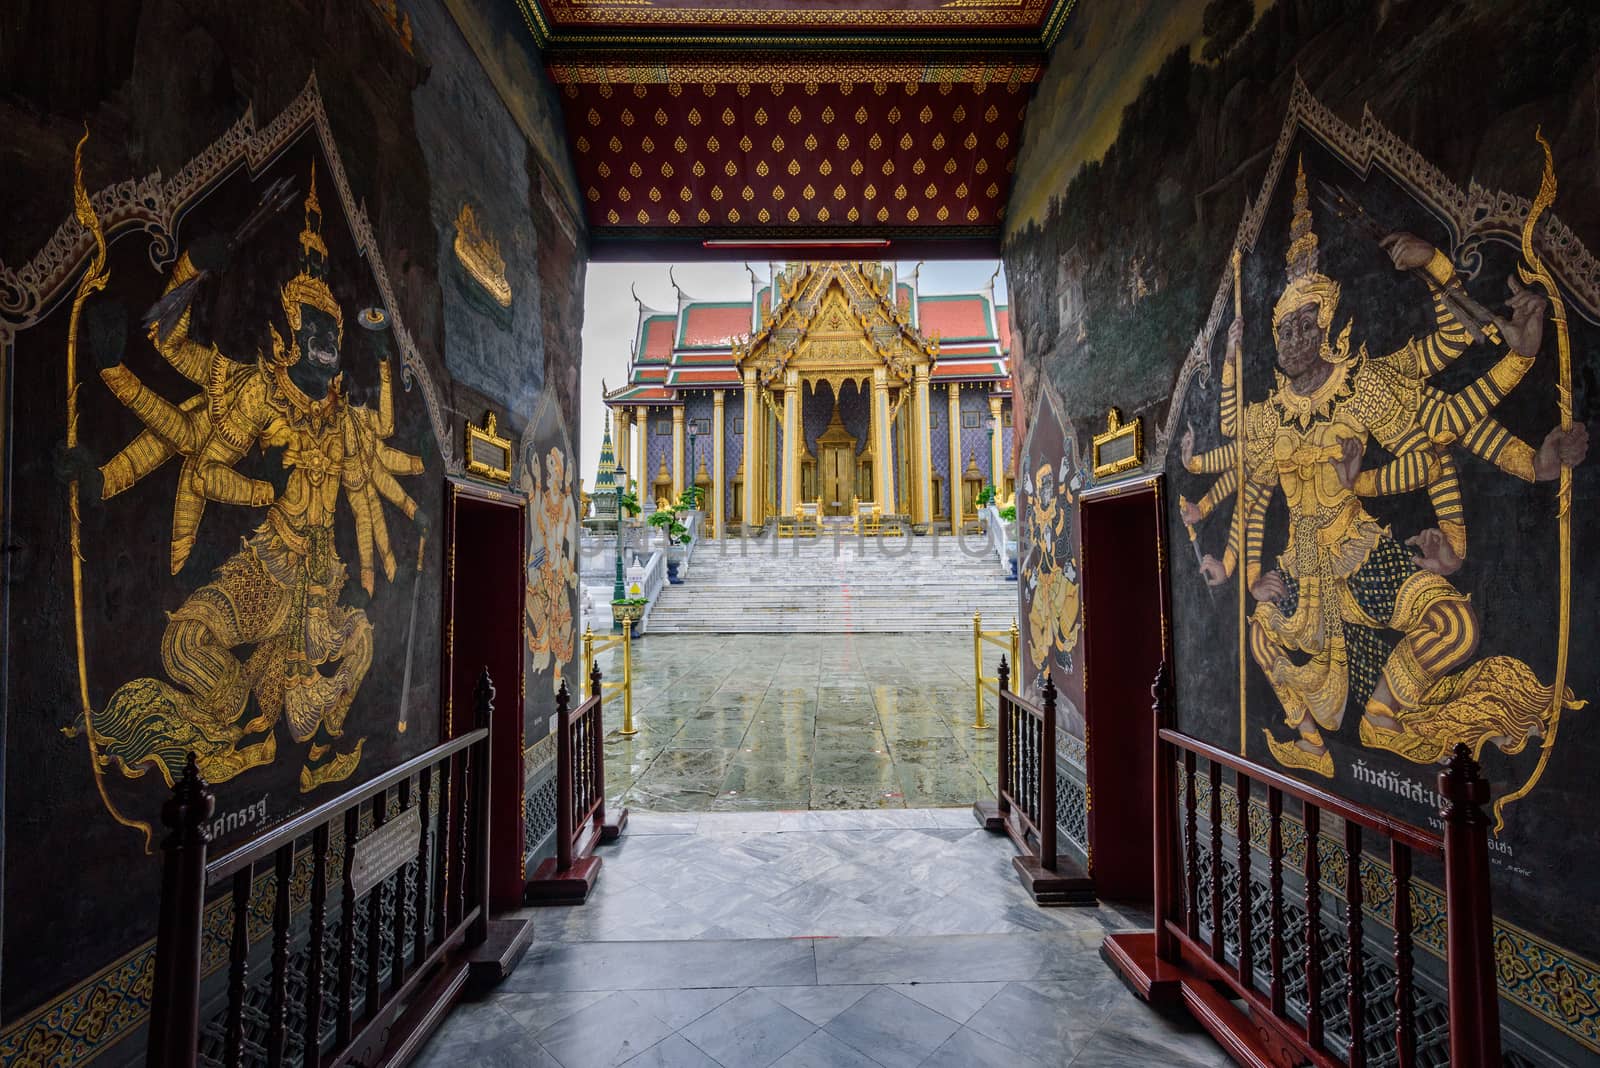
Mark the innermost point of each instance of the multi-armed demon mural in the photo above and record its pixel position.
(1395, 345)
(238, 342)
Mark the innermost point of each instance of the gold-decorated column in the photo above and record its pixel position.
(719, 474)
(883, 451)
(677, 449)
(922, 452)
(752, 466)
(791, 442)
(952, 475)
(996, 448)
(623, 441)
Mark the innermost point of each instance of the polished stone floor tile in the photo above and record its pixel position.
(485, 1034)
(674, 1051)
(680, 1008)
(819, 1004)
(739, 723)
(658, 965)
(891, 1029)
(822, 1050)
(750, 1030)
(603, 1035)
(956, 1001)
(968, 1049)
(741, 940)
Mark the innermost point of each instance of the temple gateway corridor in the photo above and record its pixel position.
(861, 534)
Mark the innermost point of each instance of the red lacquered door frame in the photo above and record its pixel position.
(485, 576)
(1124, 567)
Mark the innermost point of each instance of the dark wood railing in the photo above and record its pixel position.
(418, 899)
(581, 822)
(1190, 894)
(1025, 789)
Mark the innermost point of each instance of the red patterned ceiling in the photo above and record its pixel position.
(764, 147)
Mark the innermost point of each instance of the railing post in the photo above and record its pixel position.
(1469, 919)
(1166, 812)
(174, 1036)
(628, 729)
(977, 667)
(588, 649)
(1003, 712)
(563, 782)
(483, 701)
(596, 749)
(1047, 778)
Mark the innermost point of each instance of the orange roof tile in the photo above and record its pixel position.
(953, 317)
(706, 325)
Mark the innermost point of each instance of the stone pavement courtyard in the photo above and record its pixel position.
(797, 721)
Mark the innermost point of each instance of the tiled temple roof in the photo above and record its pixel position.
(691, 348)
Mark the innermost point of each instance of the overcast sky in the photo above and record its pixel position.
(610, 316)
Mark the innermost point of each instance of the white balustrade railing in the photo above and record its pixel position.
(652, 578)
(1001, 537)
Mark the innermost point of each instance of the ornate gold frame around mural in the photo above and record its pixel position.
(1116, 430)
(497, 469)
(480, 257)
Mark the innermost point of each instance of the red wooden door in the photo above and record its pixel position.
(1124, 592)
(485, 580)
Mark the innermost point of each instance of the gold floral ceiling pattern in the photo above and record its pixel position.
(759, 146)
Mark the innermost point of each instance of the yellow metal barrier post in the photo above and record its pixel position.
(628, 729)
(1008, 639)
(977, 669)
(593, 645)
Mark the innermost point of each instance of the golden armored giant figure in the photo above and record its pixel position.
(1053, 617)
(1343, 579)
(279, 594)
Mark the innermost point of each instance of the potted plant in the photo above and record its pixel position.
(629, 609)
(677, 533)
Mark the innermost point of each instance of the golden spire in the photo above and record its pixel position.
(1302, 255)
(309, 288)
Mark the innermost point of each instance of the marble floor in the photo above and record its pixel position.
(837, 939)
(797, 721)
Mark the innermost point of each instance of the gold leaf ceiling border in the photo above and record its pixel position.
(824, 38)
(783, 71)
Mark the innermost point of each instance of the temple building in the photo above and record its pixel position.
(837, 385)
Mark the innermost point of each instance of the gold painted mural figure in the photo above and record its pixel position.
(1343, 578)
(280, 592)
(551, 574)
(1053, 620)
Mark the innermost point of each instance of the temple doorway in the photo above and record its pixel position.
(836, 457)
(483, 612)
(1125, 640)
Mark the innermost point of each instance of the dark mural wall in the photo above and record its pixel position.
(1411, 582)
(319, 190)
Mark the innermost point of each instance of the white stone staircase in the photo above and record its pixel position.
(837, 583)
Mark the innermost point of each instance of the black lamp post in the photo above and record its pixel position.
(618, 590)
(694, 455)
(994, 476)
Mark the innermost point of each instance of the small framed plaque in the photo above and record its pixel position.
(488, 454)
(385, 850)
(1120, 447)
